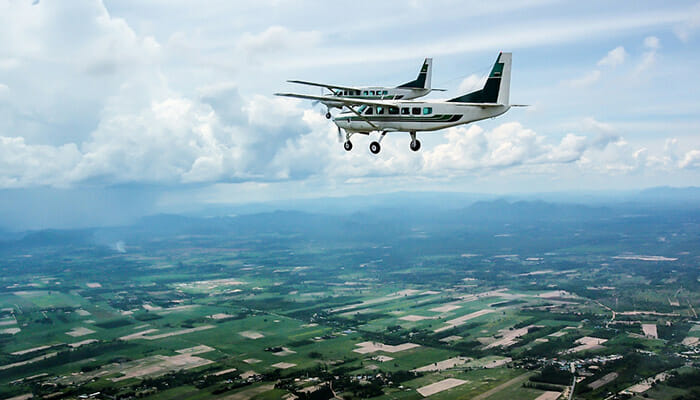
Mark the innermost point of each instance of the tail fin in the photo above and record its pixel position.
(497, 87)
(423, 79)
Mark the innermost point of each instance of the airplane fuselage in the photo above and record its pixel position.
(415, 117)
(376, 93)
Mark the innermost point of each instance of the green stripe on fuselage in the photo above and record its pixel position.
(399, 118)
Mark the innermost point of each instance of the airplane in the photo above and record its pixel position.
(364, 115)
(418, 87)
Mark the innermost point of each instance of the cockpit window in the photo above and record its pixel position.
(427, 110)
(380, 110)
(369, 111)
(361, 109)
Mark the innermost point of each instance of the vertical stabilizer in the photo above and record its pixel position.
(497, 87)
(423, 79)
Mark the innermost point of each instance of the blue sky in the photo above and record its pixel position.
(168, 106)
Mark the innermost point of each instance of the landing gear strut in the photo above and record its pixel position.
(415, 143)
(348, 144)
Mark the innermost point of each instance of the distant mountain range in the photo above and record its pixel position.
(396, 214)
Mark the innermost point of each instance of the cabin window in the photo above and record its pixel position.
(415, 111)
(404, 111)
(393, 110)
(385, 92)
(345, 92)
(357, 92)
(427, 110)
(380, 110)
(371, 92)
(361, 109)
(369, 111)
(364, 93)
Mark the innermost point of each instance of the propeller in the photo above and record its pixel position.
(315, 102)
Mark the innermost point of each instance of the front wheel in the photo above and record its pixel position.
(415, 146)
(374, 147)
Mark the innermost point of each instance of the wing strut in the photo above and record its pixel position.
(361, 116)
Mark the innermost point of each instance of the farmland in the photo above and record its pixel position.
(312, 306)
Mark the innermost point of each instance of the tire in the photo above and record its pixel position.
(347, 145)
(415, 147)
(328, 115)
(375, 148)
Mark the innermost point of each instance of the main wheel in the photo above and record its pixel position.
(374, 147)
(347, 145)
(415, 146)
(328, 115)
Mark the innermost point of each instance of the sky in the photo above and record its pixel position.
(119, 108)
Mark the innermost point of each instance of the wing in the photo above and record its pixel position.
(329, 87)
(346, 101)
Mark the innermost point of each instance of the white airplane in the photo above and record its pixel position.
(364, 116)
(418, 87)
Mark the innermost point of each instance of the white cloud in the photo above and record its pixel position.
(275, 40)
(614, 57)
(687, 28)
(471, 83)
(691, 159)
(585, 80)
(652, 44)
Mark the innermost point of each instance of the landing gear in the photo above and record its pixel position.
(328, 115)
(415, 143)
(374, 147)
(347, 145)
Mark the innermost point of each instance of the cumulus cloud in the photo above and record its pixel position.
(691, 159)
(614, 57)
(471, 83)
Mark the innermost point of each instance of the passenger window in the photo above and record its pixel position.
(404, 111)
(380, 110)
(357, 92)
(364, 93)
(393, 110)
(369, 111)
(371, 92)
(385, 92)
(345, 92)
(415, 111)
(427, 110)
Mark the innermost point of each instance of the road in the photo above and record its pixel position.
(517, 380)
